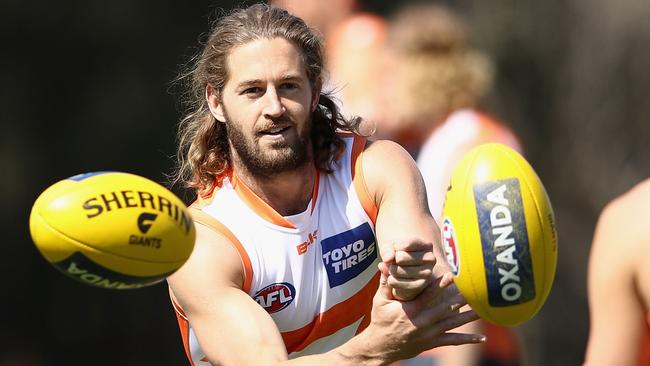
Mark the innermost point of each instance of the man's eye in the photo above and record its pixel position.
(252, 90)
(289, 86)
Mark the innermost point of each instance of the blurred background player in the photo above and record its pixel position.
(619, 282)
(323, 16)
(431, 100)
(439, 81)
(354, 44)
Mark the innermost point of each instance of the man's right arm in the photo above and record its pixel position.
(228, 323)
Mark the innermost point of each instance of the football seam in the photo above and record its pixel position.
(484, 309)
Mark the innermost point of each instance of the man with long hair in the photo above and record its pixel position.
(313, 246)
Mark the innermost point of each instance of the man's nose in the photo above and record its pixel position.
(273, 104)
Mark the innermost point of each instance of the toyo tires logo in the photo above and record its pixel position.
(449, 245)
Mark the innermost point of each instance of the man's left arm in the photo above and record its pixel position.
(407, 235)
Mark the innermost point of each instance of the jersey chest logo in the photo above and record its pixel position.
(349, 253)
(275, 297)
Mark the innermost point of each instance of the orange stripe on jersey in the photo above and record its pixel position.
(184, 326)
(175, 304)
(258, 205)
(368, 203)
(204, 197)
(314, 194)
(205, 219)
(339, 316)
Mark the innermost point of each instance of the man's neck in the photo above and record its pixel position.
(288, 193)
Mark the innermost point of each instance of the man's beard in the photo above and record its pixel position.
(282, 156)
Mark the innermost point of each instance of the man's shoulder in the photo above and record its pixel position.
(623, 222)
(386, 160)
(631, 205)
(383, 147)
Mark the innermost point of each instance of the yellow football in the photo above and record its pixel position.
(498, 231)
(112, 230)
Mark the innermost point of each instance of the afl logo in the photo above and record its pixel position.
(449, 245)
(275, 297)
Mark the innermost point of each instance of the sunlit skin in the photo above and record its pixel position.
(267, 102)
(619, 282)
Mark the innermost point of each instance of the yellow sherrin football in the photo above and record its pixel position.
(112, 230)
(499, 234)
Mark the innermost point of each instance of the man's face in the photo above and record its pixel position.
(266, 105)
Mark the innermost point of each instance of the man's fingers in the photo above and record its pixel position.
(387, 255)
(447, 279)
(449, 307)
(413, 272)
(455, 321)
(384, 269)
(411, 258)
(384, 289)
(438, 290)
(408, 283)
(406, 294)
(413, 246)
(457, 339)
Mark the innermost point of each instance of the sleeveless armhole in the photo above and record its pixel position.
(183, 325)
(368, 204)
(205, 219)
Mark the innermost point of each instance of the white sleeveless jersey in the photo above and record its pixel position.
(443, 149)
(315, 273)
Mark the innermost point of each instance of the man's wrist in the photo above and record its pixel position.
(362, 350)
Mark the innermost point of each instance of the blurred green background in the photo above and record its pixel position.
(87, 86)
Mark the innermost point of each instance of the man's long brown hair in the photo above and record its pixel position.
(204, 150)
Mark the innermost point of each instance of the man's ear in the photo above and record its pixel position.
(318, 86)
(216, 107)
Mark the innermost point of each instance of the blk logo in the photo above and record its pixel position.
(302, 247)
(145, 220)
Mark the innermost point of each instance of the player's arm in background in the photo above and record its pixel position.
(407, 235)
(619, 253)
